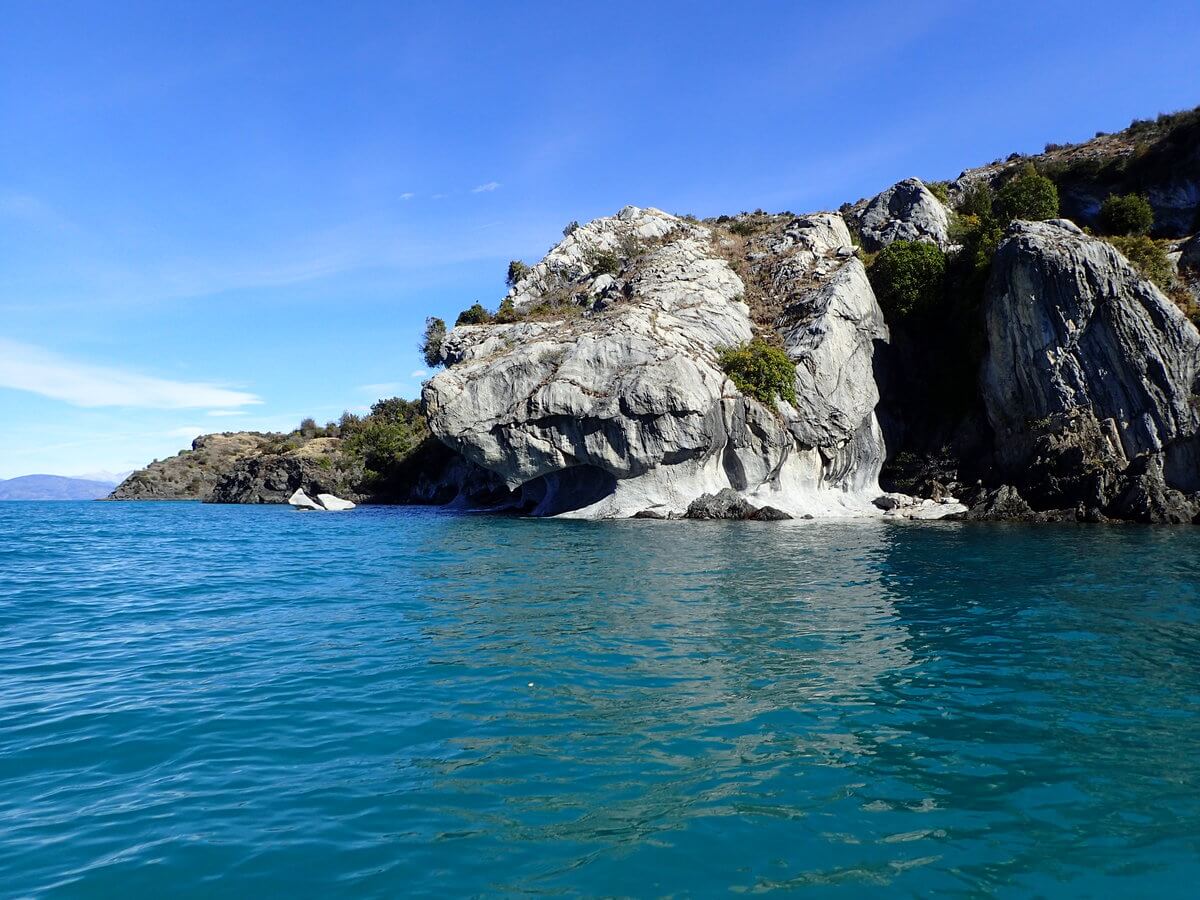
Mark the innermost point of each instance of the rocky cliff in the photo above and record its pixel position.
(659, 366)
(609, 398)
(1090, 379)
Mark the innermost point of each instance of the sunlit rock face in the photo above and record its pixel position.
(907, 211)
(606, 398)
(1073, 330)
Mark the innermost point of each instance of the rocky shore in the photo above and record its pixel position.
(989, 348)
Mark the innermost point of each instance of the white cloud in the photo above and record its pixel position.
(419, 373)
(188, 432)
(407, 195)
(225, 413)
(27, 368)
(485, 188)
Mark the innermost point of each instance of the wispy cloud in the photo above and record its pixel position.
(419, 373)
(485, 188)
(407, 195)
(28, 368)
(225, 413)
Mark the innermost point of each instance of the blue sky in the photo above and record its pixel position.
(218, 216)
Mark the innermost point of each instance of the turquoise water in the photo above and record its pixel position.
(247, 701)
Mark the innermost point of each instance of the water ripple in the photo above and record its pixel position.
(233, 700)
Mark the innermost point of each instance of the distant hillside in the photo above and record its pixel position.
(52, 487)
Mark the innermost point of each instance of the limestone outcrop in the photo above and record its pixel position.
(907, 211)
(1071, 326)
(606, 397)
(323, 503)
(1090, 377)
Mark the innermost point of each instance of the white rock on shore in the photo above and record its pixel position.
(625, 408)
(323, 503)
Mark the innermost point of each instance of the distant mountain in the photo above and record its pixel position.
(52, 487)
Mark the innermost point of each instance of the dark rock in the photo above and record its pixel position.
(1003, 503)
(727, 504)
(648, 514)
(1145, 497)
(771, 514)
(275, 477)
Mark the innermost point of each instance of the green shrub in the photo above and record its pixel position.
(941, 190)
(474, 314)
(761, 371)
(1028, 196)
(908, 277)
(606, 264)
(384, 439)
(977, 201)
(569, 228)
(308, 427)
(430, 345)
(507, 313)
(516, 271)
(1148, 257)
(1126, 214)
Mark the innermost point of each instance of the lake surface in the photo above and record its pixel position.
(200, 700)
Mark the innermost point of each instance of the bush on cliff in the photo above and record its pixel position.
(761, 371)
(907, 277)
(430, 345)
(1148, 257)
(475, 314)
(1126, 214)
(977, 201)
(507, 313)
(516, 271)
(384, 439)
(1027, 195)
(606, 263)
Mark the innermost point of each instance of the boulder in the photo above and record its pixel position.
(906, 211)
(334, 504)
(1074, 332)
(593, 409)
(771, 514)
(726, 504)
(1145, 497)
(301, 500)
(729, 504)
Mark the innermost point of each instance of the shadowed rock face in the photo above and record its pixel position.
(629, 395)
(1070, 327)
(906, 211)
